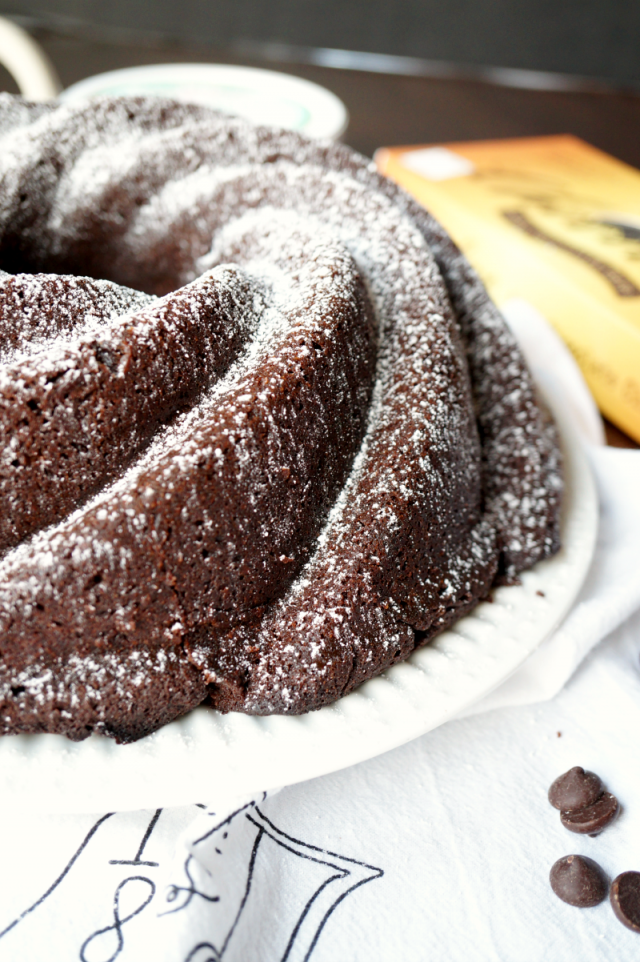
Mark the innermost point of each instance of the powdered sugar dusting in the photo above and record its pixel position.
(274, 482)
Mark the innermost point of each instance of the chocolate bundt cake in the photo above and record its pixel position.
(263, 431)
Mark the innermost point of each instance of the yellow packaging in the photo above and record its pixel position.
(555, 222)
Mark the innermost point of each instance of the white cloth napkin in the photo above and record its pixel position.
(611, 592)
(439, 850)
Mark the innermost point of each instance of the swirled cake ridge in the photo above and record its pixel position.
(263, 431)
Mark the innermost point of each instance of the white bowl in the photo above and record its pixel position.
(261, 96)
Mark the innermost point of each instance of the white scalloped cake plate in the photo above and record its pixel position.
(260, 96)
(207, 754)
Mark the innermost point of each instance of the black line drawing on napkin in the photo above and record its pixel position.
(345, 873)
(137, 860)
(316, 882)
(92, 831)
(62, 893)
(203, 952)
(187, 892)
(103, 936)
(228, 894)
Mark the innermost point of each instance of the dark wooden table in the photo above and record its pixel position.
(387, 109)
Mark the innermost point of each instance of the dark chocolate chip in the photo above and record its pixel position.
(578, 880)
(575, 789)
(592, 820)
(625, 899)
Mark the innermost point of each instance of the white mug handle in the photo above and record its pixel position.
(27, 62)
